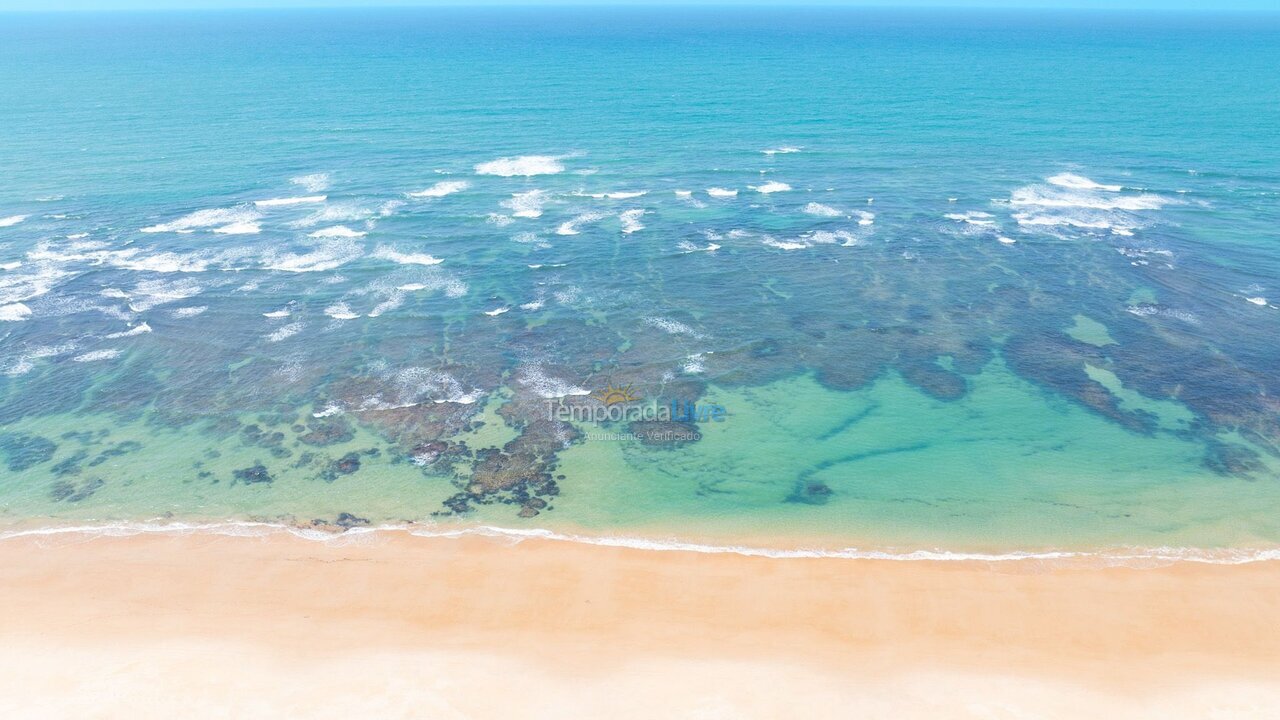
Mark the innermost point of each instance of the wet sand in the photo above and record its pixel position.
(392, 625)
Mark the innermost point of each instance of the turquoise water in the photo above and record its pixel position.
(959, 280)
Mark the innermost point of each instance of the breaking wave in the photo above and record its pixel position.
(524, 165)
(441, 189)
(233, 218)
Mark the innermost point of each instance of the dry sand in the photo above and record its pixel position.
(392, 625)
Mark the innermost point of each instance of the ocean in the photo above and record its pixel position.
(960, 281)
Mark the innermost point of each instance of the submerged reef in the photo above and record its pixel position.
(24, 451)
(68, 491)
(453, 376)
(327, 431)
(252, 475)
(519, 473)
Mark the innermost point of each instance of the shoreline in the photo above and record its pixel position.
(475, 626)
(1134, 556)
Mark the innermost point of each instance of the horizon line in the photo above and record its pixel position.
(923, 5)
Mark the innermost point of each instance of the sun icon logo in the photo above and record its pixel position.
(611, 395)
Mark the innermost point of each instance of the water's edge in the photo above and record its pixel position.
(1136, 557)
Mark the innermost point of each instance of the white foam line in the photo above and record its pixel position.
(287, 201)
(258, 529)
(228, 528)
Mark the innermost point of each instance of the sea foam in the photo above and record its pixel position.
(337, 231)
(630, 220)
(524, 165)
(672, 327)
(1109, 557)
(820, 210)
(441, 189)
(314, 182)
(1040, 196)
(617, 195)
(327, 256)
(239, 228)
(219, 217)
(287, 331)
(340, 311)
(334, 213)
(287, 201)
(14, 312)
(574, 226)
(526, 204)
(784, 244)
(385, 253)
(152, 293)
(96, 355)
(32, 281)
(844, 238)
(973, 217)
(540, 383)
(689, 247)
(773, 186)
(415, 386)
(165, 262)
(1078, 182)
(140, 329)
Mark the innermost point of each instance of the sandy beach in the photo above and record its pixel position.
(392, 625)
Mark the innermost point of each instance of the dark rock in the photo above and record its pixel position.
(122, 448)
(428, 452)
(84, 437)
(25, 451)
(496, 470)
(347, 520)
(1058, 363)
(459, 503)
(254, 436)
(810, 492)
(1231, 459)
(70, 465)
(65, 490)
(328, 431)
(345, 465)
(251, 475)
(935, 380)
(348, 463)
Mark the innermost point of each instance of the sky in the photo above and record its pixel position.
(101, 5)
